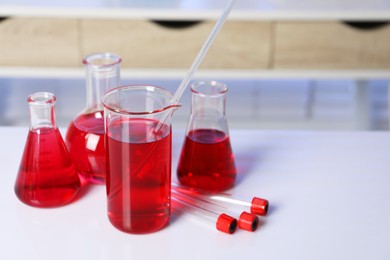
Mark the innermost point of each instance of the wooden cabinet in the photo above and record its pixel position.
(330, 45)
(145, 44)
(39, 42)
(241, 45)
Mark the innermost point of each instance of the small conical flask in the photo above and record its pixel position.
(85, 134)
(47, 176)
(207, 160)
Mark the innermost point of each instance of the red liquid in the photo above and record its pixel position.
(138, 176)
(207, 161)
(47, 177)
(85, 142)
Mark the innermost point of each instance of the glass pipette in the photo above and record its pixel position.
(222, 222)
(198, 59)
(246, 221)
(256, 205)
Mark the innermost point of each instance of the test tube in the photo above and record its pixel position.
(222, 222)
(256, 205)
(246, 221)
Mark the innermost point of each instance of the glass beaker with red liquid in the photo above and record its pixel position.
(207, 160)
(138, 157)
(85, 135)
(47, 176)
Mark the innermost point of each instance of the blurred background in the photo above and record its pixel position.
(282, 71)
(251, 104)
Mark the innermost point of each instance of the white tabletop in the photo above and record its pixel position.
(201, 9)
(329, 194)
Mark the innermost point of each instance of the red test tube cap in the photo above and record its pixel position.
(259, 206)
(248, 221)
(226, 223)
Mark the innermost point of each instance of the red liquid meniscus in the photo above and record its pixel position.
(207, 161)
(85, 141)
(138, 175)
(47, 177)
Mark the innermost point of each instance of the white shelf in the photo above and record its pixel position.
(201, 9)
(157, 73)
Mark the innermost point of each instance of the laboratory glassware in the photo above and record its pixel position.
(47, 176)
(255, 205)
(199, 57)
(207, 159)
(221, 221)
(85, 135)
(138, 157)
(246, 221)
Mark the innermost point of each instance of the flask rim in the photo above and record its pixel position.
(110, 59)
(209, 88)
(42, 98)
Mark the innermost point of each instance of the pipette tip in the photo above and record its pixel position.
(248, 221)
(226, 223)
(259, 206)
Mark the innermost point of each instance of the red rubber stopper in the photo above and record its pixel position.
(226, 223)
(259, 206)
(248, 221)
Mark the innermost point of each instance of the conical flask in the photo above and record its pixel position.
(85, 135)
(47, 176)
(207, 160)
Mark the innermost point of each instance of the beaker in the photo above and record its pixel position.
(85, 135)
(207, 160)
(47, 176)
(138, 157)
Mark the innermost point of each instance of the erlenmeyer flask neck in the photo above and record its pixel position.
(102, 74)
(208, 107)
(42, 113)
(208, 98)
